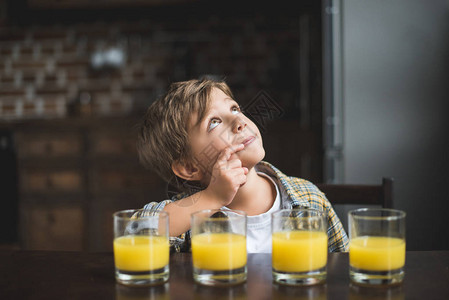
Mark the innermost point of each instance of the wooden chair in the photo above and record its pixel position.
(381, 194)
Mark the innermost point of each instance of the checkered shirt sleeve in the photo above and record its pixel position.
(177, 244)
(304, 192)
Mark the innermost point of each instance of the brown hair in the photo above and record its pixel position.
(163, 136)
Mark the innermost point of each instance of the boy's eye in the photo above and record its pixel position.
(213, 123)
(235, 110)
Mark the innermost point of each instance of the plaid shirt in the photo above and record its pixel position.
(294, 193)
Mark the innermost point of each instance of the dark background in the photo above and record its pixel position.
(377, 88)
(56, 103)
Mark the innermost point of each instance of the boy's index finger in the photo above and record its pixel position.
(228, 151)
(237, 148)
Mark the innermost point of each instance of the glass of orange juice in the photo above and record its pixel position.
(299, 246)
(219, 246)
(141, 247)
(376, 246)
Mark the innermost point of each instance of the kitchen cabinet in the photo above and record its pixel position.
(73, 174)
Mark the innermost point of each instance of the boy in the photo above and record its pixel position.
(197, 135)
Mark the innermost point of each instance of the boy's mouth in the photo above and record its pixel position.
(248, 141)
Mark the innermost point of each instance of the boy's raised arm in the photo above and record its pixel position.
(226, 178)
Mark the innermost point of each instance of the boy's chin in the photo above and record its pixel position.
(253, 160)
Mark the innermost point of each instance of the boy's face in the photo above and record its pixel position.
(224, 126)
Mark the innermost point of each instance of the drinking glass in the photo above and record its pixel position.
(299, 238)
(141, 247)
(376, 246)
(219, 246)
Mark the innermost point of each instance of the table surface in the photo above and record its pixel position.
(83, 275)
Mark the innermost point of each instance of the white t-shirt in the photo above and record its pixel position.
(258, 232)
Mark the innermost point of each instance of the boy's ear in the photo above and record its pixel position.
(187, 171)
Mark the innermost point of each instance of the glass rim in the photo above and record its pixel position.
(203, 211)
(396, 214)
(281, 211)
(129, 213)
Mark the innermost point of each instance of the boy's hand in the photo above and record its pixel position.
(228, 176)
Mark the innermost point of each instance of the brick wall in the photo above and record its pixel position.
(46, 70)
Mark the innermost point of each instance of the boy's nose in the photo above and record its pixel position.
(239, 125)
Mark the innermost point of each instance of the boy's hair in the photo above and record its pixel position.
(163, 137)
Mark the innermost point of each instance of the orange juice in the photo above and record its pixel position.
(299, 251)
(141, 253)
(218, 251)
(375, 253)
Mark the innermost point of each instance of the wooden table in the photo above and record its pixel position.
(82, 275)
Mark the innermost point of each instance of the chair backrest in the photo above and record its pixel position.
(360, 194)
